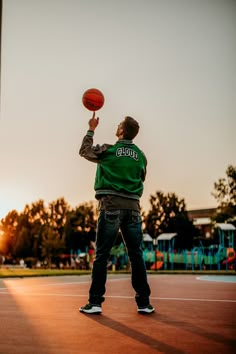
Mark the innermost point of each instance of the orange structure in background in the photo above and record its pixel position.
(159, 261)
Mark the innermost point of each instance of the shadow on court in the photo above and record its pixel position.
(125, 330)
(215, 337)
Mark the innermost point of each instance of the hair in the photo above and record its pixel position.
(130, 127)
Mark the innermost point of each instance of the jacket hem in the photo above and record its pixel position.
(100, 193)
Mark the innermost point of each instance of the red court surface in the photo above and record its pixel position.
(40, 315)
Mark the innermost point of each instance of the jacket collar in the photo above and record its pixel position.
(124, 141)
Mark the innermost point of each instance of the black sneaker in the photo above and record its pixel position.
(91, 308)
(146, 309)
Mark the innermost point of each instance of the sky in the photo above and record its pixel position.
(170, 64)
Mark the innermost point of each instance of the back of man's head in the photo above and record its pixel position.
(130, 128)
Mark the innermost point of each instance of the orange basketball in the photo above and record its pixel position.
(93, 99)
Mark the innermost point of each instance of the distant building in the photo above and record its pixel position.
(201, 213)
(202, 220)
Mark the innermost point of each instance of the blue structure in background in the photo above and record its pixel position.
(213, 257)
(226, 234)
(166, 245)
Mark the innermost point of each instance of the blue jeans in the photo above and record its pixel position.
(109, 224)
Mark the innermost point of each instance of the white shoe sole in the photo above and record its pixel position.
(95, 310)
(145, 311)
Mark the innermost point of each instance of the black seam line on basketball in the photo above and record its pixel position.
(94, 104)
(91, 99)
(90, 105)
(93, 93)
(96, 97)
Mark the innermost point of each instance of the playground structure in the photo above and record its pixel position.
(161, 253)
(218, 256)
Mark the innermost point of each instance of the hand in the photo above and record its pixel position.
(93, 122)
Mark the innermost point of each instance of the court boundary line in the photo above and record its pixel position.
(118, 297)
(213, 278)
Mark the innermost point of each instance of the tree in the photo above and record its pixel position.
(23, 244)
(8, 230)
(52, 244)
(225, 194)
(168, 214)
(80, 227)
(24, 233)
(29, 231)
(57, 214)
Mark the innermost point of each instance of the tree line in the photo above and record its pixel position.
(43, 231)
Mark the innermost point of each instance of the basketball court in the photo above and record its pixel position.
(194, 314)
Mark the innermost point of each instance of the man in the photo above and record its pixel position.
(121, 170)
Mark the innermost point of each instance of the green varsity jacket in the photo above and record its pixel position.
(121, 168)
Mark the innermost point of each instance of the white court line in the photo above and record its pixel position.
(55, 284)
(23, 291)
(229, 279)
(120, 297)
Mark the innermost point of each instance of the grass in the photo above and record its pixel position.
(16, 272)
(21, 273)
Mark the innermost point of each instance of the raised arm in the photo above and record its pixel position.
(87, 150)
